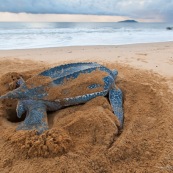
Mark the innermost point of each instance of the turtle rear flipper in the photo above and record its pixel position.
(36, 117)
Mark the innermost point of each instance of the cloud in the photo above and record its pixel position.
(146, 9)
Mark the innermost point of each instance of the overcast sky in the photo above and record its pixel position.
(103, 10)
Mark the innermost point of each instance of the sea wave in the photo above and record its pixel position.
(41, 35)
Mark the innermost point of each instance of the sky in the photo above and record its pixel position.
(86, 10)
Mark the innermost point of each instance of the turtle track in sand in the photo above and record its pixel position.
(84, 138)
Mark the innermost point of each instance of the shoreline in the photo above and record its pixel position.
(60, 47)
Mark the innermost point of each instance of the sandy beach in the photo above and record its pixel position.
(85, 138)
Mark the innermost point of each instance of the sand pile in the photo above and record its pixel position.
(85, 138)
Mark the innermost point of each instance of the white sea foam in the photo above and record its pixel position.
(39, 35)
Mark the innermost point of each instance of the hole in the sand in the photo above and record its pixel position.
(12, 116)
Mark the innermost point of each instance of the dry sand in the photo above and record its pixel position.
(85, 138)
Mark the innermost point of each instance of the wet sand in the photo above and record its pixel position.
(85, 138)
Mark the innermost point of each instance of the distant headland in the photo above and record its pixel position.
(129, 21)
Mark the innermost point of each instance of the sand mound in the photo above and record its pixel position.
(53, 142)
(85, 138)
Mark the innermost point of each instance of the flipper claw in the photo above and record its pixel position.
(20, 109)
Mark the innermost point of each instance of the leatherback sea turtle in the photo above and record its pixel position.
(62, 86)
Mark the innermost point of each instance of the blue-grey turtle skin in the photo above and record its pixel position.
(35, 100)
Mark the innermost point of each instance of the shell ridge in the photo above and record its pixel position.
(73, 75)
(53, 72)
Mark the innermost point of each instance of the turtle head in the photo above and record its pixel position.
(9, 95)
(15, 94)
(25, 93)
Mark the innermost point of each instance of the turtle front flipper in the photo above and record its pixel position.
(36, 115)
(115, 97)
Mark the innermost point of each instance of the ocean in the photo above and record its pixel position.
(15, 35)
